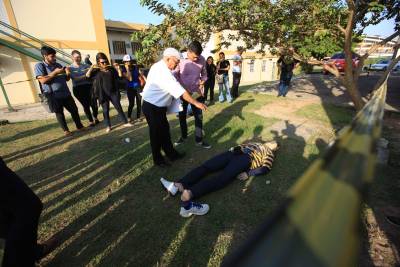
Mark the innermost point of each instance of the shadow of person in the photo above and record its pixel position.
(30, 132)
(262, 196)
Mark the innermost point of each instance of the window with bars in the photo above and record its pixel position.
(136, 47)
(251, 65)
(264, 66)
(119, 47)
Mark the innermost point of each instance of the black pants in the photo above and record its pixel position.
(236, 82)
(20, 210)
(228, 163)
(198, 120)
(134, 95)
(84, 95)
(115, 100)
(209, 86)
(160, 136)
(69, 104)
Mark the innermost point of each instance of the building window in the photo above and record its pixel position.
(136, 47)
(263, 66)
(251, 65)
(119, 47)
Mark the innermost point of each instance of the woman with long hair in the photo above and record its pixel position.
(106, 86)
(210, 83)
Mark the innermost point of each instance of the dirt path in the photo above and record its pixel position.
(292, 125)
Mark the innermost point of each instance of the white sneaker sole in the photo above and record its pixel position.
(167, 188)
(188, 214)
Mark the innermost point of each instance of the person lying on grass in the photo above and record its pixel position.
(241, 161)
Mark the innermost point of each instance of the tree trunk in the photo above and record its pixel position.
(354, 93)
(350, 80)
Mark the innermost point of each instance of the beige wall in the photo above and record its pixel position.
(64, 20)
(11, 70)
(76, 24)
(249, 75)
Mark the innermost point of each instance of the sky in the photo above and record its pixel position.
(132, 11)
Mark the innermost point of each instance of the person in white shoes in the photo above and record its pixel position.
(241, 161)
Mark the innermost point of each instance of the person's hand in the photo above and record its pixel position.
(58, 71)
(242, 176)
(116, 65)
(200, 105)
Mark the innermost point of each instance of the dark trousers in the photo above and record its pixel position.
(84, 95)
(198, 120)
(228, 163)
(160, 136)
(134, 95)
(209, 86)
(236, 82)
(20, 210)
(115, 100)
(284, 82)
(69, 104)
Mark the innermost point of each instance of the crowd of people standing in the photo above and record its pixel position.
(172, 84)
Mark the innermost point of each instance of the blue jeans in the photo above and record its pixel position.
(284, 83)
(227, 90)
(227, 163)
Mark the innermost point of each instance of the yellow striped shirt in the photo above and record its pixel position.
(260, 154)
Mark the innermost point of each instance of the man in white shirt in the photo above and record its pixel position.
(160, 92)
(237, 72)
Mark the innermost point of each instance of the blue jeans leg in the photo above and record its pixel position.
(228, 90)
(281, 88)
(221, 97)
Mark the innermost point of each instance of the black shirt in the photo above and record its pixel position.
(287, 63)
(105, 83)
(211, 69)
(223, 65)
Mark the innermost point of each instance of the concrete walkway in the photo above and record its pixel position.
(33, 112)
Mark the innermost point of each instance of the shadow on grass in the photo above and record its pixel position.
(110, 209)
(30, 132)
(289, 163)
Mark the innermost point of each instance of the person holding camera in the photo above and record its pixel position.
(53, 83)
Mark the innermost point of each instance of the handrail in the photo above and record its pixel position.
(34, 39)
(20, 49)
(318, 222)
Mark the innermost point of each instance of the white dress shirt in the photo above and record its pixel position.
(161, 86)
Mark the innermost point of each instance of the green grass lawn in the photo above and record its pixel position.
(105, 199)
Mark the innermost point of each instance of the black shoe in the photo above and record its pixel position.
(162, 164)
(180, 141)
(177, 156)
(203, 145)
(96, 121)
(393, 220)
(44, 249)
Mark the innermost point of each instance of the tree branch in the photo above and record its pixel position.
(384, 76)
(384, 41)
(341, 28)
(372, 50)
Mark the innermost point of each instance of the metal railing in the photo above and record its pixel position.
(65, 57)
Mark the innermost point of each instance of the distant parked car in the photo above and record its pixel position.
(339, 61)
(383, 64)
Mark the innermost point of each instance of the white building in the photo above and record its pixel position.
(369, 41)
(119, 38)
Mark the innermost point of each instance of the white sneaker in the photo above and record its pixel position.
(170, 186)
(195, 209)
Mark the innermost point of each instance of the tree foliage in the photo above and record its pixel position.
(314, 29)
